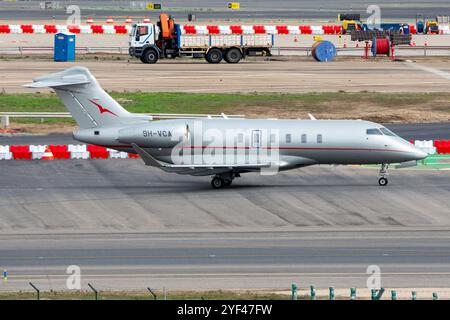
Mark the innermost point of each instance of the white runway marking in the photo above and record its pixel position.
(437, 72)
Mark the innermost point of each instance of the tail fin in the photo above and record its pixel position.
(80, 92)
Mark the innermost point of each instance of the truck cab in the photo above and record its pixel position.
(142, 37)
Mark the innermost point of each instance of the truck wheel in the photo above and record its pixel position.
(214, 56)
(233, 55)
(149, 56)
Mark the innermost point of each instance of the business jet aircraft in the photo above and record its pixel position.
(223, 147)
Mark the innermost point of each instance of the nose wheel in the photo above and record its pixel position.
(383, 181)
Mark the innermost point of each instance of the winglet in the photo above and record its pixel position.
(148, 159)
(311, 116)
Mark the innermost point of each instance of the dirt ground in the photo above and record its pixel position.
(293, 75)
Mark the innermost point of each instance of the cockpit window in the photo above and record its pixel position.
(388, 132)
(374, 132)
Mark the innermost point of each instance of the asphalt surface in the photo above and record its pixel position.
(129, 226)
(253, 260)
(250, 10)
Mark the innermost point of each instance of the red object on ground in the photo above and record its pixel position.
(74, 29)
(213, 29)
(282, 29)
(48, 154)
(133, 156)
(5, 29)
(442, 146)
(97, 29)
(27, 28)
(20, 152)
(190, 29)
(305, 30)
(50, 28)
(60, 152)
(97, 152)
(121, 29)
(259, 29)
(236, 29)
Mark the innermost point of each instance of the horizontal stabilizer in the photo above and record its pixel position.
(43, 82)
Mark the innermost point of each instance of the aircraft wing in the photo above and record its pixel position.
(194, 169)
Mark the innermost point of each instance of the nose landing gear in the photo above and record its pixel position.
(383, 181)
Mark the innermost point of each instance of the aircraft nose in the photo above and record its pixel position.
(418, 154)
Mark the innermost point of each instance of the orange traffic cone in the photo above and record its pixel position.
(109, 20)
(128, 20)
(90, 20)
(295, 39)
(48, 154)
(357, 43)
(146, 19)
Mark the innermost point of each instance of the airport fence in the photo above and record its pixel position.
(93, 292)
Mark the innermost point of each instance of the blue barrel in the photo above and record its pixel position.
(323, 51)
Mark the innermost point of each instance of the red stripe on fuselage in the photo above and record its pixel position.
(267, 148)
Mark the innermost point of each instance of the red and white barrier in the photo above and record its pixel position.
(108, 27)
(82, 151)
(60, 152)
(50, 29)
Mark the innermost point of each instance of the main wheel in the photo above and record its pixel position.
(233, 55)
(217, 183)
(382, 181)
(149, 56)
(214, 56)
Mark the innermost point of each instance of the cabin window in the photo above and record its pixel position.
(374, 132)
(387, 132)
(303, 138)
(319, 138)
(288, 138)
(273, 138)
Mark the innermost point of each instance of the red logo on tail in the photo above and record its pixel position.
(102, 109)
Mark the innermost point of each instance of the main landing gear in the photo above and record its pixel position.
(383, 181)
(223, 180)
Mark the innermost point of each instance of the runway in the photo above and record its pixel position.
(244, 260)
(128, 226)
